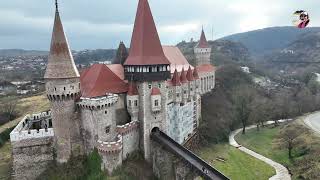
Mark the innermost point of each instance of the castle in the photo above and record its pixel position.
(114, 107)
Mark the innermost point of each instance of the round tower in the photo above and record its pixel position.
(62, 81)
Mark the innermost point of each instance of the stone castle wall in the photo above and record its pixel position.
(98, 121)
(130, 138)
(31, 157)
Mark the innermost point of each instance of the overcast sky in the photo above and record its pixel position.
(91, 24)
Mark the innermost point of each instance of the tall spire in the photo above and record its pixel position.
(57, 7)
(145, 47)
(60, 61)
(203, 43)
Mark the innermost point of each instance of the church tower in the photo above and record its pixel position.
(149, 69)
(63, 88)
(202, 50)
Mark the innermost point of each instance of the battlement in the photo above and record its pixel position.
(98, 103)
(110, 147)
(23, 130)
(127, 128)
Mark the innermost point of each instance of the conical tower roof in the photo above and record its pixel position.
(183, 76)
(203, 43)
(190, 74)
(176, 79)
(60, 61)
(145, 46)
(196, 74)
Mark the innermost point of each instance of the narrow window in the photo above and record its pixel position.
(108, 129)
(156, 103)
(130, 103)
(136, 103)
(150, 86)
(106, 112)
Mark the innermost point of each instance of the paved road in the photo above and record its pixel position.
(281, 171)
(313, 121)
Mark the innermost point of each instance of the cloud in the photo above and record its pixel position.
(92, 24)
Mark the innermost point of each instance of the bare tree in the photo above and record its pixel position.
(290, 137)
(9, 109)
(242, 99)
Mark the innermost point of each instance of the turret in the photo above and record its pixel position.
(176, 83)
(202, 50)
(63, 88)
(191, 83)
(197, 81)
(133, 101)
(184, 87)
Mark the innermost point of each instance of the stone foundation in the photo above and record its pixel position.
(31, 157)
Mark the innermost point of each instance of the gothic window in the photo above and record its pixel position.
(108, 129)
(156, 103)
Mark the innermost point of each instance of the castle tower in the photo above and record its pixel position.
(149, 69)
(122, 54)
(177, 87)
(202, 50)
(63, 88)
(191, 84)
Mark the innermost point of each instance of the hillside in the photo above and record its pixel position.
(222, 50)
(264, 41)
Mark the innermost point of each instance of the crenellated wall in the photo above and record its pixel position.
(130, 138)
(98, 120)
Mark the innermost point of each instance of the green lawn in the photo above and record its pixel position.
(5, 161)
(238, 165)
(264, 142)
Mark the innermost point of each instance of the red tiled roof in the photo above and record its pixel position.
(145, 46)
(203, 43)
(195, 74)
(117, 69)
(60, 60)
(155, 91)
(99, 80)
(132, 91)
(176, 58)
(176, 79)
(183, 77)
(205, 68)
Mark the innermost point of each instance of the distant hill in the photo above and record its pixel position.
(264, 41)
(89, 56)
(306, 49)
(222, 51)
(21, 52)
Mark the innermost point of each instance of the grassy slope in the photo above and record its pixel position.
(238, 165)
(28, 105)
(5, 161)
(263, 142)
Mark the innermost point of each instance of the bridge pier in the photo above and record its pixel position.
(169, 167)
